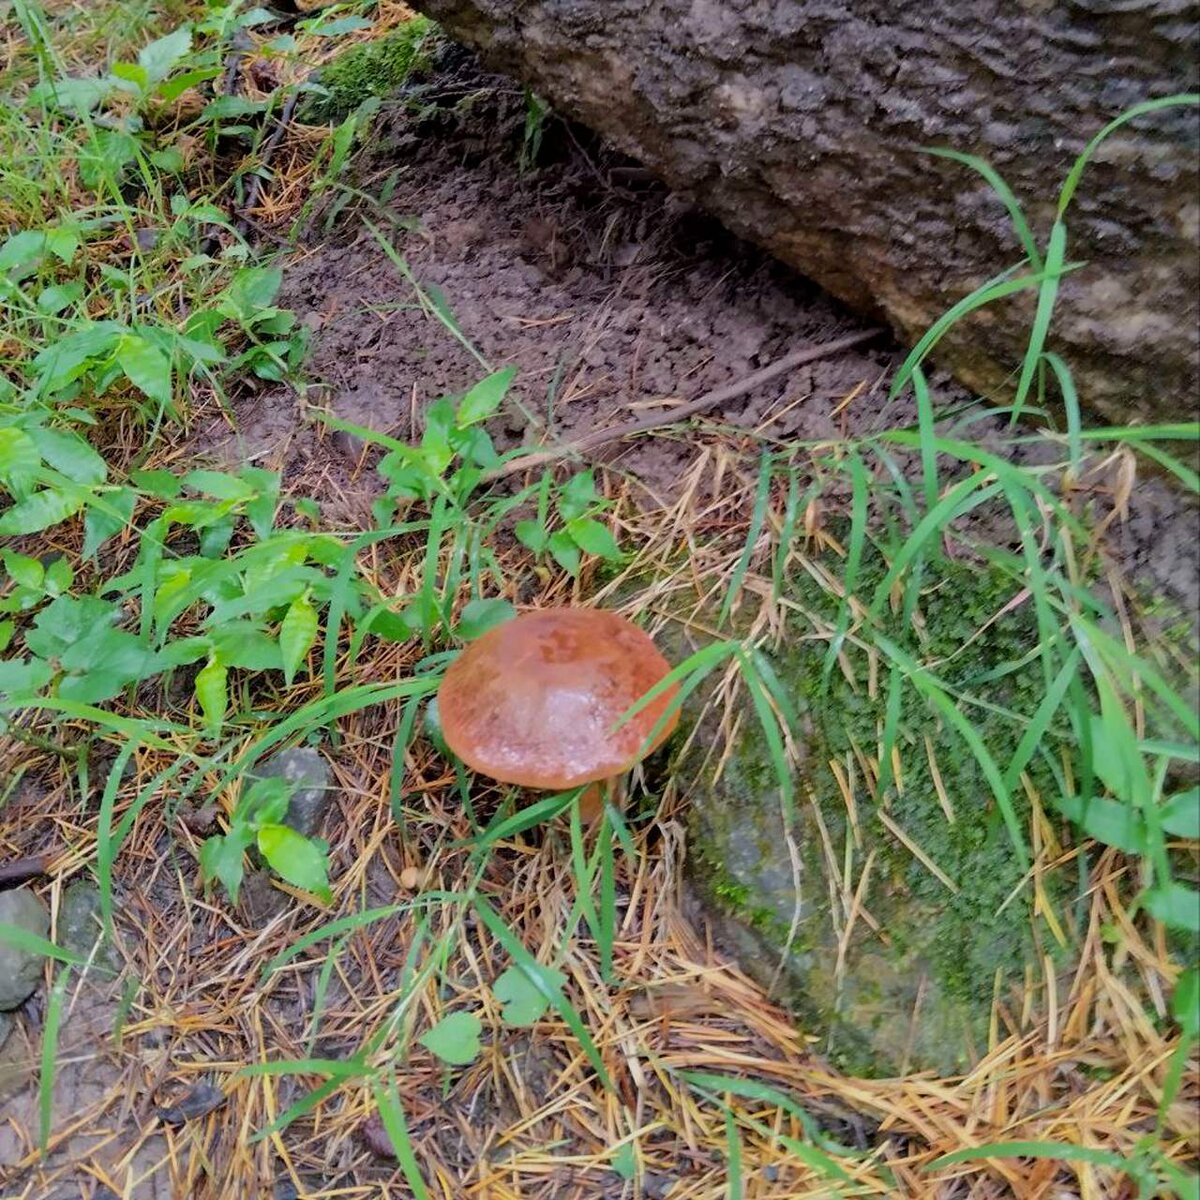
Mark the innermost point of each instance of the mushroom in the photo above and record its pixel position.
(538, 701)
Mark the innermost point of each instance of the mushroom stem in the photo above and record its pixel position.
(591, 800)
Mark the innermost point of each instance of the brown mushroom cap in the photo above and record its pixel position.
(534, 701)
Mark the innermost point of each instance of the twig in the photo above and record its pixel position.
(21, 870)
(731, 391)
(268, 150)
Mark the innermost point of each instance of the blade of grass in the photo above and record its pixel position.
(51, 1025)
(1056, 251)
(758, 516)
(391, 1113)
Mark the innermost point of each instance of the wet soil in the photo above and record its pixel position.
(613, 298)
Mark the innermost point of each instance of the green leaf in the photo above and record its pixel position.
(58, 296)
(39, 511)
(67, 621)
(103, 520)
(7, 629)
(485, 397)
(454, 1039)
(1174, 905)
(296, 635)
(218, 484)
(577, 496)
(260, 511)
(479, 616)
(1185, 1002)
(160, 56)
(23, 252)
(59, 577)
(103, 664)
(254, 288)
(524, 999)
(299, 860)
(247, 645)
(1110, 822)
(221, 859)
(1180, 814)
(162, 484)
(22, 569)
(19, 461)
(564, 551)
(593, 537)
(624, 1160)
(211, 693)
(146, 366)
(21, 676)
(132, 73)
(67, 452)
(532, 534)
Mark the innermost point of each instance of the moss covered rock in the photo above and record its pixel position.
(376, 68)
(887, 918)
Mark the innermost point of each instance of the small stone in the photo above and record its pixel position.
(21, 970)
(657, 1186)
(202, 1099)
(411, 878)
(79, 925)
(308, 773)
(147, 238)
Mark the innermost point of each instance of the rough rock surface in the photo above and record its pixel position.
(885, 917)
(21, 970)
(799, 123)
(306, 771)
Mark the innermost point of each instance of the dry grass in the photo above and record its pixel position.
(1080, 1062)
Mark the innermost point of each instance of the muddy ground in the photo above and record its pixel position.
(613, 298)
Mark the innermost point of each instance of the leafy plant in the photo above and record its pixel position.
(258, 820)
(454, 1039)
(577, 504)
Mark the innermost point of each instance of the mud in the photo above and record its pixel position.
(611, 296)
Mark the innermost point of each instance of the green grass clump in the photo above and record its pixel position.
(373, 69)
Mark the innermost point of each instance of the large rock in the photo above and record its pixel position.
(799, 123)
(21, 969)
(886, 920)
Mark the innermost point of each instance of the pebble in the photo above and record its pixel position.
(21, 970)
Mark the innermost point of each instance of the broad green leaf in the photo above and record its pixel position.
(296, 635)
(101, 666)
(577, 496)
(479, 616)
(7, 629)
(22, 569)
(39, 511)
(23, 252)
(1185, 1002)
(532, 534)
(593, 537)
(454, 1039)
(624, 1160)
(524, 1000)
(211, 693)
(299, 860)
(485, 397)
(162, 484)
(218, 484)
(19, 461)
(221, 859)
(58, 296)
(264, 801)
(1180, 814)
(1174, 905)
(146, 366)
(160, 56)
(1110, 822)
(245, 644)
(59, 576)
(254, 288)
(67, 621)
(260, 511)
(72, 455)
(564, 551)
(21, 676)
(132, 73)
(105, 518)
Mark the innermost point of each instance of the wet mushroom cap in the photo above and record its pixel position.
(534, 701)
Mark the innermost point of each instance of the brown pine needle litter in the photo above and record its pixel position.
(1079, 1060)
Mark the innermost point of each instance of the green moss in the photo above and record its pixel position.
(376, 68)
(943, 948)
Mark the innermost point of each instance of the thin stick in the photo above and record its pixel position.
(731, 391)
(21, 870)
